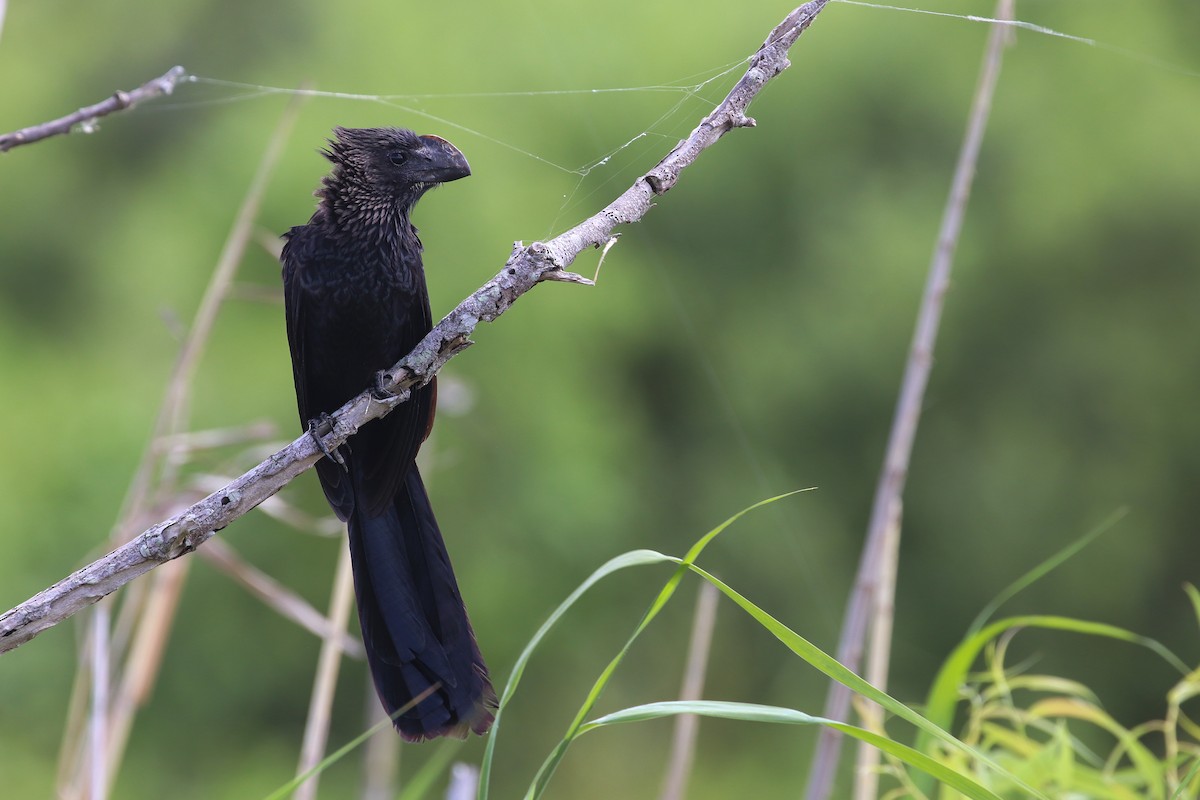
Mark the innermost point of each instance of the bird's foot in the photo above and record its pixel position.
(380, 390)
(318, 428)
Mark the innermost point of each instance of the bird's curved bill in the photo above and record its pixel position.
(443, 161)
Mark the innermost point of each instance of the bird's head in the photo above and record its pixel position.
(390, 164)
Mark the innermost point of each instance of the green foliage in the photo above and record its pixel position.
(1045, 729)
(1006, 747)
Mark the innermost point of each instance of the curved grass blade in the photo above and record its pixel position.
(1045, 568)
(834, 669)
(634, 558)
(750, 712)
(1194, 596)
(1178, 794)
(337, 755)
(546, 771)
(1146, 765)
(943, 696)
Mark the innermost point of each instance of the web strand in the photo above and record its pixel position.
(687, 88)
(403, 102)
(1035, 28)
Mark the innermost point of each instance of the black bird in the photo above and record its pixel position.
(356, 303)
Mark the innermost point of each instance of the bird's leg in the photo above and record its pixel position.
(317, 429)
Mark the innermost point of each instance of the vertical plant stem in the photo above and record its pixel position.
(866, 783)
(145, 657)
(890, 488)
(97, 780)
(156, 479)
(683, 744)
(381, 754)
(316, 731)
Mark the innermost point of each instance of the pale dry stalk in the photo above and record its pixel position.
(890, 488)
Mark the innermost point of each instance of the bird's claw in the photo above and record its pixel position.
(317, 429)
(380, 391)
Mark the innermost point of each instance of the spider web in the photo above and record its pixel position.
(693, 96)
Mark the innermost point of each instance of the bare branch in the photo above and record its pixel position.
(277, 507)
(526, 267)
(87, 116)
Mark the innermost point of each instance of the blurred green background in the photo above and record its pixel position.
(747, 338)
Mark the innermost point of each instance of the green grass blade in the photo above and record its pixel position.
(831, 667)
(634, 558)
(1194, 596)
(1178, 794)
(943, 695)
(337, 755)
(1045, 568)
(546, 771)
(749, 712)
(290, 786)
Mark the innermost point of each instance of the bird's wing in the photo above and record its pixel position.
(386, 448)
(298, 303)
(332, 361)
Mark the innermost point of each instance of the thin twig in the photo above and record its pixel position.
(278, 597)
(86, 117)
(890, 488)
(188, 443)
(526, 267)
(316, 730)
(256, 293)
(683, 744)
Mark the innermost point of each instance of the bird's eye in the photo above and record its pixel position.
(397, 157)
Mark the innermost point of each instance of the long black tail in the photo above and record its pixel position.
(414, 623)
